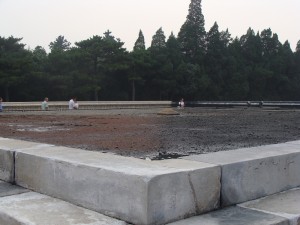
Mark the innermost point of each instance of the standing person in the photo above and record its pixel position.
(45, 104)
(1, 106)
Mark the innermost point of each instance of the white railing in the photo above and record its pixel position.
(84, 105)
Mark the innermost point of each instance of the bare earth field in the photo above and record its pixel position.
(142, 133)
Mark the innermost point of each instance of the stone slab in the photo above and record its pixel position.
(285, 204)
(134, 190)
(7, 151)
(37, 209)
(7, 189)
(7, 166)
(234, 216)
(9, 144)
(252, 173)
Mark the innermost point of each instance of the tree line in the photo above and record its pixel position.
(196, 64)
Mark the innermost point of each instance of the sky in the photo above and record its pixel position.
(40, 22)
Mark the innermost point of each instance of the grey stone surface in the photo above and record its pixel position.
(7, 189)
(285, 204)
(14, 144)
(7, 168)
(7, 151)
(134, 190)
(234, 216)
(36, 209)
(253, 173)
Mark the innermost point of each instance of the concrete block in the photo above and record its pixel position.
(14, 144)
(7, 166)
(252, 173)
(234, 216)
(285, 204)
(36, 209)
(133, 190)
(7, 152)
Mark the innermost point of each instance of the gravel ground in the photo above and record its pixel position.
(145, 134)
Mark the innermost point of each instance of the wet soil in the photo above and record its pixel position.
(145, 134)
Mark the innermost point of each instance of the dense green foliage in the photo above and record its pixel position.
(196, 65)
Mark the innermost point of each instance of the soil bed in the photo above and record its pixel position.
(145, 134)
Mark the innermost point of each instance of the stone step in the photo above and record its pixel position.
(7, 189)
(19, 206)
(279, 209)
(252, 173)
(234, 216)
(150, 192)
(285, 204)
(23, 207)
(134, 190)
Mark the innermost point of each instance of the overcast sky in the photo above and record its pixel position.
(40, 22)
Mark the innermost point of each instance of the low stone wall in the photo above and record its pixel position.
(256, 172)
(151, 192)
(134, 190)
(101, 105)
(85, 105)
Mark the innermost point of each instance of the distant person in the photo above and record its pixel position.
(1, 105)
(181, 103)
(76, 105)
(73, 104)
(45, 104)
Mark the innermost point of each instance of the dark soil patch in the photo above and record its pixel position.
(143, 133)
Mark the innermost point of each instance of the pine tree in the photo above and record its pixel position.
(139, 57)
(15, 64)
(298, 46)
(173, 51)
(140, 42)
(60, 44)
(216, 58)
(192, 33)
(158, 40)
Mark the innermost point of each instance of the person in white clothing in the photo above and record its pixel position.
(73, 104)
(76, 105)
(181, 103)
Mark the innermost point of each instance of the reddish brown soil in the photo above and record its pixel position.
(143, 133)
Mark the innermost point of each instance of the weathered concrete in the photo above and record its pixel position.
(234, 216)
(158, 192)
(7, 189)
(36, 209)
(7, 169)
(14, 144)
(253, 173)
(133, 190)
(7, 151)
(285, 204)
